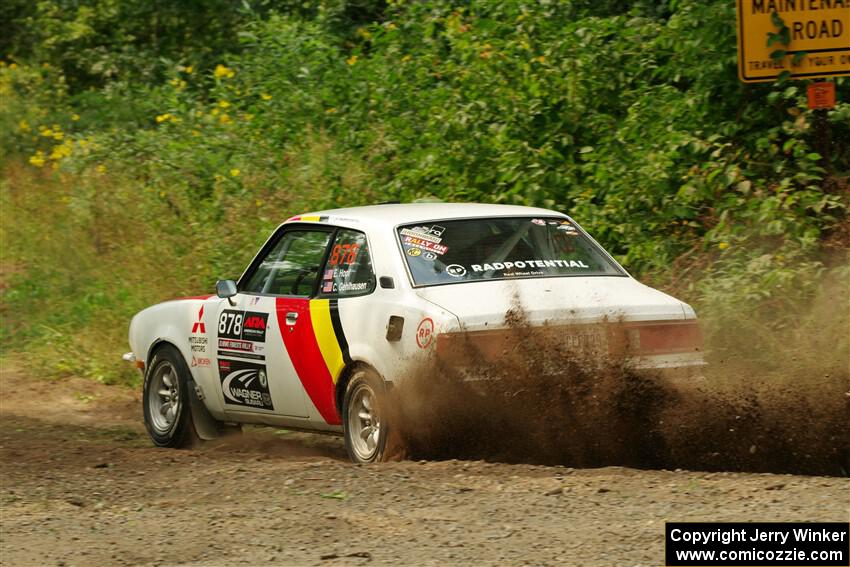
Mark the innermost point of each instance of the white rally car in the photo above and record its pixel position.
(338, 305)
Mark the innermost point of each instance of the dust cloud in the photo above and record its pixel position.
(538, 399)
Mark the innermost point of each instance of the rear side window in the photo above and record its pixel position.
(455, 251)
(348, 271)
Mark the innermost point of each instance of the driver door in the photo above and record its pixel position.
(254, 367)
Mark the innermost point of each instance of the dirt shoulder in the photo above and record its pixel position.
(82, 486)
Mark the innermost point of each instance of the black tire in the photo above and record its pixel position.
(357, 418)
(168, 416)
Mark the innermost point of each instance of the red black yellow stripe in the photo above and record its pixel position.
(317, 348)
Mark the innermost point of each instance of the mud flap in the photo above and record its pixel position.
(206, 425)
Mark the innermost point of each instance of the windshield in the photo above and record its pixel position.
(445, 252)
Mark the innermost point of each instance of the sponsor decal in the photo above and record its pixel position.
(253, 301)
(240, 348)
(456, 270)
(349, 287)
(329, 274)
(417, 242)
(198, 344)
(245, 384)
(430, 256)
(200, 361)
(424, 233)
(317, 348)
(247, 325)
(529, 264)
(539, 222)
(248, 355)
(414, 252)
(567, 227)
(425, 333)
(198, 326)
(328, 287)
(235, 344)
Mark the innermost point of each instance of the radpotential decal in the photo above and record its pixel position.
(245, 384)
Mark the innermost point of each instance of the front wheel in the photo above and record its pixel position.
(365, 425)
(167, 407)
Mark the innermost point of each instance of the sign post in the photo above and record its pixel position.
(797, 39)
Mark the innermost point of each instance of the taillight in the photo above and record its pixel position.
(663, 338)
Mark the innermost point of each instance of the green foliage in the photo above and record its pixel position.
(198, 116)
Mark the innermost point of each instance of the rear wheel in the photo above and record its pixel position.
(167, 407)
(364, 424)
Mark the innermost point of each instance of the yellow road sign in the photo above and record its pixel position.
(819, 34)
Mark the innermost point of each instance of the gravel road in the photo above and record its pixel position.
(82, 486)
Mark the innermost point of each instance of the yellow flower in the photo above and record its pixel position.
(223, 103)
(189, 70)
(330, 111)
(75, 117)
(46, 132)
(58, 135)
(234, 172)
(352, 60)
(224, 119)
(38, 159)
(406, 58)
(265, 96)
(222, 72)
(24, 126)
(723, 245)
(61, 151)
(162, 117)
(541, 59)
(100, 168)
(13, 66)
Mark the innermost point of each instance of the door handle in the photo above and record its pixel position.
(291, 318)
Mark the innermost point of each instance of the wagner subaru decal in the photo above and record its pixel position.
(245, 384)
(246, 325)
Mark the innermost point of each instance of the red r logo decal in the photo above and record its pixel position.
(425, 333)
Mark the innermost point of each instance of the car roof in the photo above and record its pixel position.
(396, 214)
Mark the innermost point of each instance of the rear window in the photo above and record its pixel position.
(455, 251)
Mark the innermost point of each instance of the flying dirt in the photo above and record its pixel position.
(543, 401)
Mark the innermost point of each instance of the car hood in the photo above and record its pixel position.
(567, 300)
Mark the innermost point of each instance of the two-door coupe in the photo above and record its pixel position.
(339, 304)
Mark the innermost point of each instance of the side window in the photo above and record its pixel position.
(348, 271)
(292, 265)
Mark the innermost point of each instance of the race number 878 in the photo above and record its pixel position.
(230, 324)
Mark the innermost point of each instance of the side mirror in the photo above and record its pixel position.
(225, 289)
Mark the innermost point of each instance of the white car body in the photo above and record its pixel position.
(292, 373)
